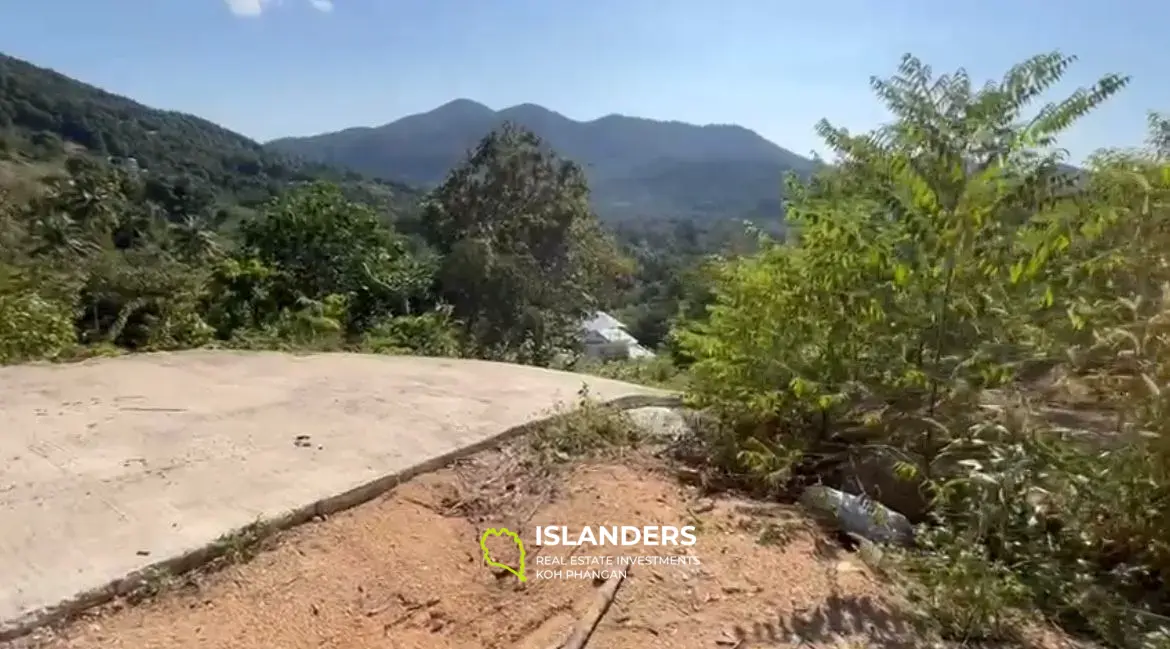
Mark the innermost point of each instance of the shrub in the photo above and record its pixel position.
(33, 327)
(433, 333)
(945, 255)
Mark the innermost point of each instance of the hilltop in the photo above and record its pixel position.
(44, 114)
(637, 168)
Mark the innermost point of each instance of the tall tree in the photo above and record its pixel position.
(525, 258)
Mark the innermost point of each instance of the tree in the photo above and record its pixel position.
(323, 244)
(943, 255)
(922, 237)
(524, 257)
(193, 239)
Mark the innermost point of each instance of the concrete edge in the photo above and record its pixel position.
(71, 608)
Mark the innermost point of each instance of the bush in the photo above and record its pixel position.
(433, 333)
(944, 256)
(241, 297)
(313, 324)
(33, 327)
(659, 371)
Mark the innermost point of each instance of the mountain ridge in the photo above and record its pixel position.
(637, 167)
(43, 110)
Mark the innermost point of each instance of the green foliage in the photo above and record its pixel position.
(315, 324)
(323, 244)
(32, 326)
(240, 296)
(143, 266)
(945, 255)
(961, 590)
(43, 110)
(659, 371)
(142, 299)
(523, 257)
(910, 241)
(591, 428)
(669, 279)
(313, 269)
(433, 333)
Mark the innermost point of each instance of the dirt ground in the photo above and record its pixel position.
(406, 571)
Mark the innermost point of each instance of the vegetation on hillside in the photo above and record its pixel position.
(197, 175)
(42, 110)
(670, 280)
(946, 290)
(96, 263)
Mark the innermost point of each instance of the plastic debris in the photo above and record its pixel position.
(859, 515)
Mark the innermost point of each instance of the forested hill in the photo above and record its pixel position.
(637, 168)
(40, 110)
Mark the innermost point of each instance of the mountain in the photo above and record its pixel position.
(636, 167)
(44, 113)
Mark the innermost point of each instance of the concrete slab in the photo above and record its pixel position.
(113, 465)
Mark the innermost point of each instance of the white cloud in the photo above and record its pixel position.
(248, 7)
(251, 8)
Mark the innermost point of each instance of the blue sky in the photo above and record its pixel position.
(270, 68)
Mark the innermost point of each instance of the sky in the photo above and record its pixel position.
(271, 68)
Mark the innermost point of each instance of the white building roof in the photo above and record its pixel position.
(604, 329)
(602, 321)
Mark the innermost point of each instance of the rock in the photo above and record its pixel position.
(864, 517)
(703, 505)
(682, 432)
(662, 423)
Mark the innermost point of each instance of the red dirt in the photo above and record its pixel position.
(405, 571)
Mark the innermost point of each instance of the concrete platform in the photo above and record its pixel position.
(111, 466)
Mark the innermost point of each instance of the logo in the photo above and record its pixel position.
(622, 535)
(602, 566)
(487, 555)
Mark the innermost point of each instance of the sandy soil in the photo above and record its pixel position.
(405, 571)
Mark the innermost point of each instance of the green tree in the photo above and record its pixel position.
(524, 258)
(946, 253)
(322, 244)
(905, 255)
(194, 239)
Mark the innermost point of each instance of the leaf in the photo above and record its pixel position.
(1017, 272)
(901, 274)
(971, 464)
(1151, 385)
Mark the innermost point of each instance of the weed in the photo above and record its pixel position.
(591, 428)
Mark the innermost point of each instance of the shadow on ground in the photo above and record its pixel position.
(836, 617)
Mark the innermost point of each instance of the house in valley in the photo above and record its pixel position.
(606, 338)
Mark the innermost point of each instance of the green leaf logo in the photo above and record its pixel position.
(487, 557)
